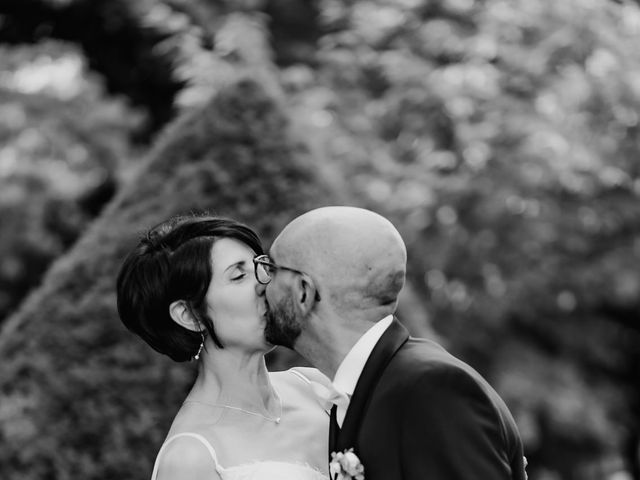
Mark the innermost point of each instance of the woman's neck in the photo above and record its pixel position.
(227, 377)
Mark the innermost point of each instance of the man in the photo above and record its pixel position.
(409, 409)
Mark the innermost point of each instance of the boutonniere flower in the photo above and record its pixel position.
(346, 466)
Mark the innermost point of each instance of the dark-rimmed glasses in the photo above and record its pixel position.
(264, 269)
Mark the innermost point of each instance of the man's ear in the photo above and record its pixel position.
(181, 314)
(307, 294)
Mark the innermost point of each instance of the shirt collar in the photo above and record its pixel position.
(352, 365)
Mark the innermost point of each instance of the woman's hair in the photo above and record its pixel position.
(172, 261)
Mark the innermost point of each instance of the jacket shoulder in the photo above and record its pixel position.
(424, 369)
(425, 364)
(420, 357)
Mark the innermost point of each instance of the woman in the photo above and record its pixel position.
(189, 289)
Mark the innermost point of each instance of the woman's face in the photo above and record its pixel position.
(238, 313)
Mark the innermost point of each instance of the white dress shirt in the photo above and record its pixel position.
(352, 365)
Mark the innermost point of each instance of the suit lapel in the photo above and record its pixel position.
(393, 338)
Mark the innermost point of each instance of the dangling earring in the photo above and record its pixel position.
(197, 355)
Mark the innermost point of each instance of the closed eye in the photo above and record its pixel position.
(236, 271)
(238, 276)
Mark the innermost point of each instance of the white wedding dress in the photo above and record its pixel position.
(265, 470)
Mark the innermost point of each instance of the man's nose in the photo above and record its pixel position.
(260, 289)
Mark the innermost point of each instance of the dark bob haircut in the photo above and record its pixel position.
(172, 261)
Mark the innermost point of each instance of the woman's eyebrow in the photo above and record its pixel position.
(241, 263)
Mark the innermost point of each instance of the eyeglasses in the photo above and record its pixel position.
(264, 269)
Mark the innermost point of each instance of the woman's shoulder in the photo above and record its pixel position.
(186, 455)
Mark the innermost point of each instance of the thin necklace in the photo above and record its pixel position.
(276, 420)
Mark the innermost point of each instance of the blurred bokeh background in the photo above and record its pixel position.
(502, 138)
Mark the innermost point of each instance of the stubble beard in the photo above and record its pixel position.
(282, 327)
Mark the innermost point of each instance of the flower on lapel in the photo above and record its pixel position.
(346, 466)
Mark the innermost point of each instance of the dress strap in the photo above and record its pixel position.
(197, 436)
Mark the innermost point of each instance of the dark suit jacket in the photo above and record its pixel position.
(418, 413)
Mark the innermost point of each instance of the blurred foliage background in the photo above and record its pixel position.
(501, 137)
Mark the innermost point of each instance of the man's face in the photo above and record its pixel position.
(283, 325)
(282, 328)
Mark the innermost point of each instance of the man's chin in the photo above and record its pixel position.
(281, 327)
(271, 337)
(275, 336)
(282, 340)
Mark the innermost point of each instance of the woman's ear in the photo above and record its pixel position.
(307, 294)
(181, 314)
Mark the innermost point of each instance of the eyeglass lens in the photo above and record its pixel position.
(262, 272)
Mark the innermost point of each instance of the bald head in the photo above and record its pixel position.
(356, 256)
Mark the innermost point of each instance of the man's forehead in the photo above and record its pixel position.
(284, 251)
(273, 251)
(279, 247)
